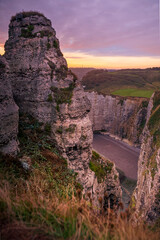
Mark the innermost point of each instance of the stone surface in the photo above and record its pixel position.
(107, 193)
(8, 113)
(124, 118)
(146, 197)
(44, 88)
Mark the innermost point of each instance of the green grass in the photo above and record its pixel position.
(131, 92)
(105, 82)
(100, 168)
(154, 121)
(63, 95)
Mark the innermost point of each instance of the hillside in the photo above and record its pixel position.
(123, 82)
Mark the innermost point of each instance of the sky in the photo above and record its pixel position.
(97, 33)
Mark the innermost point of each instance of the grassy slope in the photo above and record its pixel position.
(46, 202)
(109, 82)
(130, 92)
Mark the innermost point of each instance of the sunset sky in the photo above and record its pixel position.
(97, 33)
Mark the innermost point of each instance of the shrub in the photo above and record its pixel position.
(100, 168)
(47, 128)
(71, 128)
(26, 14)
(156, 100)
(2, 65)
(59, 130)
(55, 44)
(154, 125)
(45, 33)
(27, 33)
(144, 104)
(50, 98)
(48, 46)
(84, 137)
(95, 155)
(61, 73)
(121, 102)
(63, 95)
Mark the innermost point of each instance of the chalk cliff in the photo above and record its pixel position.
(146, 198)
(8, 113)
(122, 117)
(44, 88)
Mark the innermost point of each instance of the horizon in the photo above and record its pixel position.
(99, 34)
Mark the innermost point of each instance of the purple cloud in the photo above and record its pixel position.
(98, 27)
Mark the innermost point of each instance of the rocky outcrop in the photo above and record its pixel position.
(106, 190)
(122, 117)
(146, 198)
(8, 113)
(44, 88)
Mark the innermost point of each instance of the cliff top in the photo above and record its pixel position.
(23, 14)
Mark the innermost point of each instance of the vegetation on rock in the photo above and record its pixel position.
(71, 128)
(27, 32)
(100, 167)
(154, 121)
(45, 33)
(27, 14)
(63, 95)
(50, 98)
(55, 44)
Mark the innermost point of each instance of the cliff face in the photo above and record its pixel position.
(106, 190)
(146, 198)
(8, 113)
(122, 117)
(44, 88)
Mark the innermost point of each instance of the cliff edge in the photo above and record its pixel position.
(146, 198)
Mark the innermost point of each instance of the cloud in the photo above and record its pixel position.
(96, 27)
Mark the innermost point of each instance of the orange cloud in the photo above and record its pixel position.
(77, 59)
(1, 49)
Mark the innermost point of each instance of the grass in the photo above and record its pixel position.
(130, 92)
(63, 95)
(46, 202)
(100, 168)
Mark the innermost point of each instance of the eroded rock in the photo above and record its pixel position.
(146, 198)
(44, 88)
(8, 113)
(121, 117)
